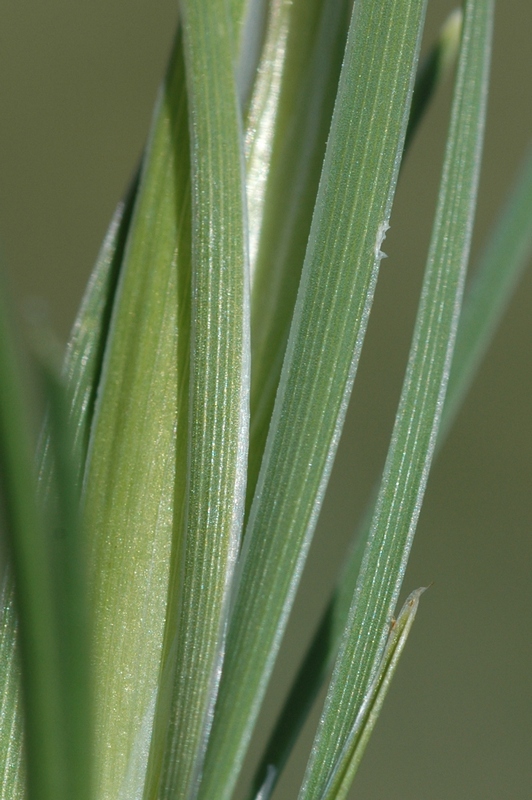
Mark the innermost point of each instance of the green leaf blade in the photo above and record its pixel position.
(338, 281)
(219, 391)
(134, 490)
(349, 760)
(84, 354)
(60, 507)
(34, 592)
(80, 377)
(288, 124)
(417, 420)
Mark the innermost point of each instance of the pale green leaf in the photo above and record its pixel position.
(338, 281)
(133, 492)
(287, 128)
(80, 376)
(219, 391)
(84, 353)
(419, 412)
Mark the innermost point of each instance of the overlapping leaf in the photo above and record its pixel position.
(339, 275)
(287, 128)
(418, 416)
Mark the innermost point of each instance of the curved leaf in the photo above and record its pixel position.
(418, 416)
(219, 392)
(339, 275)
(34, 591)
(345, 768)
(133, 491)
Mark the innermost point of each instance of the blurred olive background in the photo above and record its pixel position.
(77, 84)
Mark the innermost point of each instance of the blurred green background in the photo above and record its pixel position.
(78, 81)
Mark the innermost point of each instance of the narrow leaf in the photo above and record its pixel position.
(219, 392)
(266, 788)
(287, 130)
(67, 555)
(500, 267)
(133, 493)
(84, 352)
(338, 281)
(85, 349)
(80, 376)
(349, 760)
(34, 593)
(419, 412)
(270, 315)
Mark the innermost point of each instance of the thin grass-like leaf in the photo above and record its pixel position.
(265, 790)
(219, 390)
(240, 11)
(70, 404)
(133, 491)
(262, 116)
(419, 412)
(84, 354)
(80, 377)
(324, 645)
(339, 275)
(349, 760)
(68, 564)
(314, 668)
(34, 592)
(287, 130)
